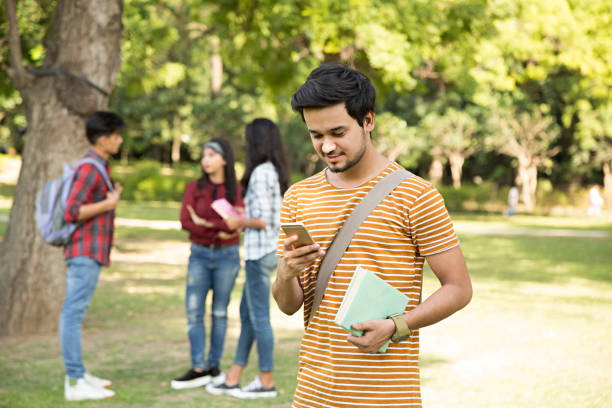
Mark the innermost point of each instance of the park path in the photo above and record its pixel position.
(461, 228)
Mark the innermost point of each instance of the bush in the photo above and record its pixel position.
(471, 197)
(150, 181)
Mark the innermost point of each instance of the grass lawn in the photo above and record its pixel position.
(536, 334)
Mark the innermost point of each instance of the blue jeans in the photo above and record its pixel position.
(213, 268)
(81, 282)
(255, 313)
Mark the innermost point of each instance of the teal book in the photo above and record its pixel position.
(369, 297)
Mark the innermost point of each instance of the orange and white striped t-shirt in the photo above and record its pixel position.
(409, 224)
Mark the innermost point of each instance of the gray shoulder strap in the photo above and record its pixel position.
(100, 168)
(343, 238)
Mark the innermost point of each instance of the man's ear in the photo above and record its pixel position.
(100, 140)
(368, 122)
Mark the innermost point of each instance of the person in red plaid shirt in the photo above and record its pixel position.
(92, 205)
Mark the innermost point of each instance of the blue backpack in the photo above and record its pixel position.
(51, 204)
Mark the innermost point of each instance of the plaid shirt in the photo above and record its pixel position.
(262, 200)
(93, 238)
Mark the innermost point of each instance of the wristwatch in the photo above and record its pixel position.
(402, 332)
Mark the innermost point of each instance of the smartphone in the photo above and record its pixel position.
(304, 237)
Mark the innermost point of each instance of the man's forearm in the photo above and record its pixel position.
(288, 294)
(87, 211)
(442, 303)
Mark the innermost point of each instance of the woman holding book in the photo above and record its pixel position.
(265, 180)
(214, 261)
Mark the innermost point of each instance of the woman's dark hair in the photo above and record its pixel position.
(102, 123)
(264, 143)
(330, 85)
(230, 172)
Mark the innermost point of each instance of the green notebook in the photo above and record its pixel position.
(369, 297)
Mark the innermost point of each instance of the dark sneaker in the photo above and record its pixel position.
(193, 379)
(255, 389)
(222, 388)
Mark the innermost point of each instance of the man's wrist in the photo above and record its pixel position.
(402, 331)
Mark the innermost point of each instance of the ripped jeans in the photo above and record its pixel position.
(209, 268)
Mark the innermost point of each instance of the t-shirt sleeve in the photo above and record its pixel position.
(430, 225)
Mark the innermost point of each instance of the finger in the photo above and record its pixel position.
(299, 258)
(307, 249)
(289, 242)
(358, 326)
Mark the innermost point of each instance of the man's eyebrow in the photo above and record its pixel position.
(337, 128)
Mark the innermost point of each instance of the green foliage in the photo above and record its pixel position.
(150, 181)
(441, 70)
(485, 197)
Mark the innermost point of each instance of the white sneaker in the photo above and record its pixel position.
(83, 390)
(255, 389)
(97, 381)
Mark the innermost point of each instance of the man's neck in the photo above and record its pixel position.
(368, 167)
(100, 152)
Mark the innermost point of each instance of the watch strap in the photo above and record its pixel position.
(402, 331)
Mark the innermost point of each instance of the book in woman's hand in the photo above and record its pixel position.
(225, 209)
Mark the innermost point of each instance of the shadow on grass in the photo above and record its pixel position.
(537, 259)
(140, 234)
(431, 360)
(535, 221)
(7, 190)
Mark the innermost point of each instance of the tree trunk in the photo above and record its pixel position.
(176, 141)
(456, 165)
(436, 170)
(607, 180)
(528, 179)
(84, 39)
(607, 169)
(216, 68)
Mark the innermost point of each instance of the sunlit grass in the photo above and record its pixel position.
(536, 333)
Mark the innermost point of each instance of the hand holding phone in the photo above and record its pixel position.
(298, 228)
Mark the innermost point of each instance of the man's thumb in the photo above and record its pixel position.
(359, 326)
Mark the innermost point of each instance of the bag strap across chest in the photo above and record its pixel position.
(341, 241)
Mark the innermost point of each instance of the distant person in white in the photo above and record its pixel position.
(513, 199)
(595, 202)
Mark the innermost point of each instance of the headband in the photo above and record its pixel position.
(215, 146)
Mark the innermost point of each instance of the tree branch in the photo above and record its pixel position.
(48, 72)
(17, 71)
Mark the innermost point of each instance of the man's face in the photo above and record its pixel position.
(111, 143)
(337, 137)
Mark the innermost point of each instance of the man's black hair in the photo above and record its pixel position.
(102, 123)
(330, 85)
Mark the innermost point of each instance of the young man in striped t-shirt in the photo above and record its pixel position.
(409, 226)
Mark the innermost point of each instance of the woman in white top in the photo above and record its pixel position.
(265, 180)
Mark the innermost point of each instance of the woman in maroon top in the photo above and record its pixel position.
(214, 261)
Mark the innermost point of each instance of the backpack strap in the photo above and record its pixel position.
(341, 241)
(100, 168)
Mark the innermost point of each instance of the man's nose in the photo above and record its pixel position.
(328, 146)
